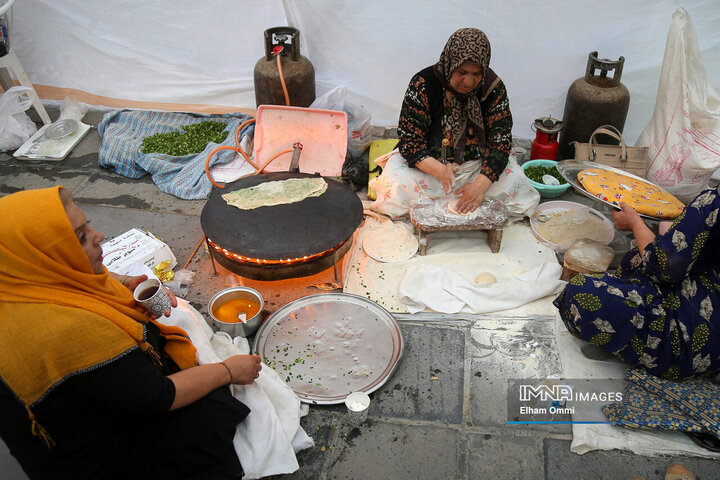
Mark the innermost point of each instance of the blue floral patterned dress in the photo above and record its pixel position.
(661, 310)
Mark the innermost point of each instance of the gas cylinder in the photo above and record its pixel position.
(297, 71)
(592, 101)
(545, 144)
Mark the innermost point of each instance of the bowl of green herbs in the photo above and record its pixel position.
(534, 171)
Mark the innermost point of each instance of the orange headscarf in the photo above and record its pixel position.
(57, 317)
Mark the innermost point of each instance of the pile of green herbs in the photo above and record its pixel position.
(193, 139)
(536, 172)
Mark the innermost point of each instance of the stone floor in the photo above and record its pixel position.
(442, 414)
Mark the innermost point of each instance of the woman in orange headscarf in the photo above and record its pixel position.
(92, 386)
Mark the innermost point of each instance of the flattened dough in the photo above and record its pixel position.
(279, 192)
(391, 243)
(451, 208)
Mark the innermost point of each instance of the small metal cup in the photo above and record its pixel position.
(159, 302)
(243, 329)
(358, 405)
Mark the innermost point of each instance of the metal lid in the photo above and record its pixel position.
(61, 128)
(548, 124)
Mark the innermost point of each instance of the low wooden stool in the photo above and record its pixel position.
(432, 215)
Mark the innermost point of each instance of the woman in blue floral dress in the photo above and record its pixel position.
(661, 310)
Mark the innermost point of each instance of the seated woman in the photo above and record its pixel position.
(455, 130)
(661, 311)
(92, 387)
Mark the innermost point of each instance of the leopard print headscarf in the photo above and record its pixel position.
(465, 45)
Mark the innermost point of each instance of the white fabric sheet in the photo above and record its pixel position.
(463, 254)
(587, 438)
(266, 441)
(185, 51)
(442, 290)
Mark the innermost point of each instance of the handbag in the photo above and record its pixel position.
(631, 159)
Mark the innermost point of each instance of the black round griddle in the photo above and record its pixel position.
(287, 231)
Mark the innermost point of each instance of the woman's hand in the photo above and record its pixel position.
(131, 282)
(626, 218)
(473, 194)
(244, 368)
(194, 383)
(446, 175)
(443, 172)
(629, 219)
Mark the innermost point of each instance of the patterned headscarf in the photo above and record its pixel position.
(465, 45)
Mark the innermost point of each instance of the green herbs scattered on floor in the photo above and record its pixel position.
(536, 172)
(193, 139)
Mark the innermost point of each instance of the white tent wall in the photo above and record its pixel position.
(204, 53)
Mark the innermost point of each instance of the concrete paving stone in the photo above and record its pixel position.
(17, 177)
(377, 450)
(504, 456)
(505, 349)
(561, 463)
(322, 428)
(428, 384)
(141, 194)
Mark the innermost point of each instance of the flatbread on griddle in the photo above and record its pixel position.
(278, 192)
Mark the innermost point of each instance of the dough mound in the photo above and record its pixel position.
(485, 277)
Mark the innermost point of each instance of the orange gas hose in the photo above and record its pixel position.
(260, 170)
(282, 79)
(236, 148)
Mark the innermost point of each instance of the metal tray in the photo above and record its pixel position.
(328, 345)
(569, 169)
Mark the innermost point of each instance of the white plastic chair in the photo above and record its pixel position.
(10, 61)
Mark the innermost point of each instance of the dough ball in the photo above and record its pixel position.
(485, 277)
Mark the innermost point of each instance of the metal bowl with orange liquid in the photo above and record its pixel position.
(237, 310)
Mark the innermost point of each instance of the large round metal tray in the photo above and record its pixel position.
(328, 345)
(569, 169)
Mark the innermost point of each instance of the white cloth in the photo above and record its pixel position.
(266, 441)
(465, 253)
(442, 290)
(603, 436)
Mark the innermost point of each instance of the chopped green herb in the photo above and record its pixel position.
(193, 139)
(536, 172)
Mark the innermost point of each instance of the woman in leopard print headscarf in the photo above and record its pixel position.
(460, 102)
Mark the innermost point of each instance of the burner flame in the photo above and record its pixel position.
(263, 261)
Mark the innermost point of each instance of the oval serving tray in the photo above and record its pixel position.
(328, 345)
(569, 169)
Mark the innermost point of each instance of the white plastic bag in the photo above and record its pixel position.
(514, 190)
(398, 184)
(358, 118)
(15, 125)
(682, 136)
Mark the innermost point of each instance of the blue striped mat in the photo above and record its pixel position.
(122, 133)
